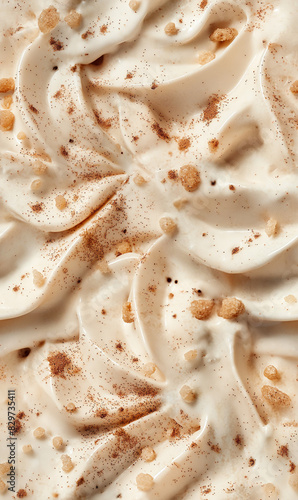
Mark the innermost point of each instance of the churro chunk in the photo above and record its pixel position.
(48, 19)
(27, 448)
(188, 394)
(223, 35)
(294, 87)
(170, 29)
(6, 102)
(191, 355)
(58, 442)
(67, 463)
(134, 5)
(3, 486)
(61, 202)
(39, 433)
(271, 372)
(6, 120)
(167, 225)
(73, 19)
(271, 227)
(7, 85)
(38, 278)
(189, 177)
(231, 308)
(127, 313)
(4, 468)
(144, 482)
(275, 397)
(202, 308)
(205, 57)
(148, 454)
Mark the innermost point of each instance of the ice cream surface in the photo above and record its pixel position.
(149, 253)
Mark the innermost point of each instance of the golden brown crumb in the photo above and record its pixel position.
(48, 19)
(290, 299)
(73, 19)
(275, 397)
(223, 35)
(170, 29)
(70, 407)
(21, 136)
(4, 468)
(127, 313)
(61, 202)
(180, 203)
(294, 87)
(67, 464)
(231, 308)
(27, 448)
(3, 486)
(39, 168)
(7, 102)
(191, 355)
(144, 482)
(148, 454)
(36, 185)
(272, 227)
(123, 247)
(58, 442)
(39, 433)
(271, 372)
(6, 84)
(205, 57)
(189, 177)
(187, 394)
(202, 308)
(167, 225)
(139, 180)
(270, 491)
(149, 369)
(6, 120)
(134, 5)
(213, 145)
(38, 278)
(293, 481)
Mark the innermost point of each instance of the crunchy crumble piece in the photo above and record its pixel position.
(191, 355)
(271, 372)
(58, 442)
(6, 85)
(38, 278)
(294, 87)
(3, 486)
(39, 168)
(6, 102)
(170, 29)
(127, 313)
(213, 145)
(67, 464)
(6, 120)
(144, 482)
(187, 394)
(180, 203)
(148, 454)
(36, 185)
(139, 180)
(27, 448)
(290, 299)
(21, 493)
(167, 225)
(205, 57)
(61, 202)
(202, 308)
(70, 407)
(271, 227)
(73, 19)
(21, 136)
(223, 35)
(39, 433)
(123, 247)
(293, 481)
(231, 308)
(48, 19)
(189, 177)
(4, 468)
(275, 397)
(149, 369)
(134, 5)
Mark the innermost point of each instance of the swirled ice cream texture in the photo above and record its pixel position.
(98, 333)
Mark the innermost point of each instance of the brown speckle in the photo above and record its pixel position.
(160, 132)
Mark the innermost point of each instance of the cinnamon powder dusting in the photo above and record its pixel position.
(212, 109)
(58, 362)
